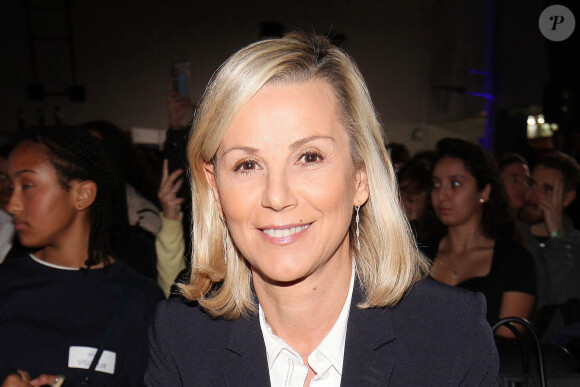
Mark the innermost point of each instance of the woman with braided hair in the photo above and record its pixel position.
(68, 301)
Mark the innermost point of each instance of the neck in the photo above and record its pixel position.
(303, 313)
(465, 237)
(70, 250)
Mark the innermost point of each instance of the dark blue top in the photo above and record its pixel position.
(44, 311)
(436, 335)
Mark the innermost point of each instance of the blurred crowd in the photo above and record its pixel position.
(502, 225)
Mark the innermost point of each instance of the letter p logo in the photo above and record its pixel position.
(557, 23)
(557, 20)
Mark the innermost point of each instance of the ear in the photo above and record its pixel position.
(568, 198)
(83, 194)
(362, 191)
(484, 193)
(210, 177)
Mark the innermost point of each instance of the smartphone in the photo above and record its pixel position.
(180, 77)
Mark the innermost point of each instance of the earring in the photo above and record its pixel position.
(225, 244)
(481, 200)
(357, 220)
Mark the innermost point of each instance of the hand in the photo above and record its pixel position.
(170, 185)
(180, 110)
(43, 380)
(21, 379)
(553, 208)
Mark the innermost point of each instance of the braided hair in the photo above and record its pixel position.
(76, 155)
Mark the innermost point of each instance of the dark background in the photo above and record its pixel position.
(422, 60)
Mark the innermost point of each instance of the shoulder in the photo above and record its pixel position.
(183, 334)
(440, 313)
(178, 321)
(432, 298)
(510, 247)
(513, 252)
(450, 325)
(12, 270)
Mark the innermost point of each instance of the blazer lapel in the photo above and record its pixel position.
(369, 347)
(245, 363)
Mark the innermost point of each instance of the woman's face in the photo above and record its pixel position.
(42, 210)
(4, 183)
(516, 179)
(413, 200)
(286, 183)
(454, 195)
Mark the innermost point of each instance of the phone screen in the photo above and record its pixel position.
(180, 76)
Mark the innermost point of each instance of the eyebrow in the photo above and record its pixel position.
(23, 171)
(459, 177)
(306, 140)
(292, 147)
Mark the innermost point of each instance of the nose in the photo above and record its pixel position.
(278, 194)
(533, 194)
(442, 192)
(14, 205)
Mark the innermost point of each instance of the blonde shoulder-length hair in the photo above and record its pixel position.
(388, 262)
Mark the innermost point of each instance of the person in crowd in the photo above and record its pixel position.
(415, 186)
(69, 298)
(479, 250)
(134, 210)
(304, 270)
(399, 155)
(515, 174)
(174, 195)
(170, 242)
(414, 183)
(554, 243)
(6, 226)
(139, 178)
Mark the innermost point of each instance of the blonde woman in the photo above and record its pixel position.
(304, 270)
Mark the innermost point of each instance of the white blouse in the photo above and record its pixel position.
(287, 369)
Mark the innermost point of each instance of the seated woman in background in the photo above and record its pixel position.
(304, 270)
(415, 184)
(515, 174)
(69, 298)
(479, 250)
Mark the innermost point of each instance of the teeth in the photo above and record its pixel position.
(285, 232)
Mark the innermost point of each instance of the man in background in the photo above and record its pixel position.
(551, 238)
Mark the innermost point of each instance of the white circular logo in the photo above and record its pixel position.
(557, 23)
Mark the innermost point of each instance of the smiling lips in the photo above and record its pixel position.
(283, 233)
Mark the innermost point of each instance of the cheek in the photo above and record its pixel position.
(330, 191)
(420, 200)
(434, 196)
(239, 200)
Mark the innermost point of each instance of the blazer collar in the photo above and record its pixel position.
(368, 353)
(370, 345)
(250, 366)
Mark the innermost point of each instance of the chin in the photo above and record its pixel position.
(531, 217)
(279, 277)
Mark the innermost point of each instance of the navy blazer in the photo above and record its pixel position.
(436, 335)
